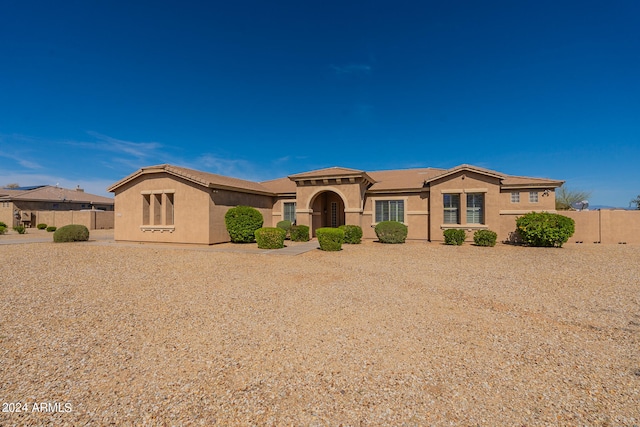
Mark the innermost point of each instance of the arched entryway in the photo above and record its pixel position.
(328, 210)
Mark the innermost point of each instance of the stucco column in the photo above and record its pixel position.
(353, 217)
(303, 217)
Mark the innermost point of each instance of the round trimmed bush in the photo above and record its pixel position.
(330, 239)
(270, 237)
(242, 223)
(285, 225)
(20, 229)
(391, 232)
(71, 233)
(3, 229)
(41, 226)
(352, 234)
(485, 238)
(454, 236)
(2, 224)
(51, 228)
(299, 233)
(544, 229)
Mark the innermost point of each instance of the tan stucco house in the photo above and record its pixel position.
(173, 204)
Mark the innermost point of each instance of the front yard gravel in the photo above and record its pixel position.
(375, 335)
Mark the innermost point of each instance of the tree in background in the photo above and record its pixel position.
(12, 185)
(565, 198)
(636, 202)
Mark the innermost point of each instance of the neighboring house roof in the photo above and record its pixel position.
(381, 181)
(206, 179)
(50, 193)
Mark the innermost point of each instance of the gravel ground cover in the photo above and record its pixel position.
(401, 335)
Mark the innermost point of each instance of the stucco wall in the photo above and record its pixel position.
(605, 226)
(93, 220)
(6, 214)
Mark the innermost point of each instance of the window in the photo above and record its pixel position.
(515, 197)
(157, 211)
(475, 208)
(289, 211)
(168, 217)
(533, 197)
(389, 210)
(451, 208)
(146, 209)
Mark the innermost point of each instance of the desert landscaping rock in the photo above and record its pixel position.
(414, 334)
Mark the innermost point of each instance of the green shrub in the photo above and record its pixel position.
(299, 233)
(3, 229)
(352, 234)
(2, 224)
(545, 229)
(71, 233)
(41, 226)
(454, 236)
(242, 223)
(285, 225)
(391, 232)
(330, 239)
(270, 237)
(20, 229)
(51, 228)
(485, 238)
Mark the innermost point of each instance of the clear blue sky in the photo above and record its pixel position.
(91, 91)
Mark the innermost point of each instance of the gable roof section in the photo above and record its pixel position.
(515, 182)
(50, 193)
(404, 179)
(327, 172)
(332, 173)
(469, 168)
(205, 179)
(280, 186)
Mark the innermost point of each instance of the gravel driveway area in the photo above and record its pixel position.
(376, 335)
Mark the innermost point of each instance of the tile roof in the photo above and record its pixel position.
(386, 180)
(402, 179)
(205, 179)
(333, 171)
(280, 185)
(51, 193)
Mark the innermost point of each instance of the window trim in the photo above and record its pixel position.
(158, 210)
(375, 200)
(515, 197)
(446, 208)
(534, 195)
(284, 211)
(480, 209)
